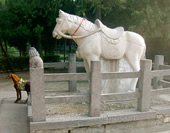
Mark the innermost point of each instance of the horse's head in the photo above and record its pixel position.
(13, 76)
(9, 76)
(71, 24)
(61, 25)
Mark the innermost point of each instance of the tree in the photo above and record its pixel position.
(152, 21)
(21, 18)
(5, 33)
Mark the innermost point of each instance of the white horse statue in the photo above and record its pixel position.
(97, 41)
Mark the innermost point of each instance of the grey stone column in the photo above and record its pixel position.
(72, 69)
(37, 94)
(145, 86)
(95, 89)
(159, 60)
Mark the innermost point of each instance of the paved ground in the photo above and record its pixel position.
(13, 116)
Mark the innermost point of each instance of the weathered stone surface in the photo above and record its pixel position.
(95, 89)
(35, 59)
(154, 119)
(51, 131)
(72, 69)
(37, 94)
(146, 126)
(156, 125)
(167, 120)
(98, 42)
(97, 129)
(145, 85)
(159, 60)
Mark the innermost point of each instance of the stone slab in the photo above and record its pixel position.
(159, 114)
(96, 129)
(63, 121)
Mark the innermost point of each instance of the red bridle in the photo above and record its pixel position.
(78, 28)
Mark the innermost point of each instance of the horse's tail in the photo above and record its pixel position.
(143, 54)
(27, 87)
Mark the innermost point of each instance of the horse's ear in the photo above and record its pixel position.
(61, 13)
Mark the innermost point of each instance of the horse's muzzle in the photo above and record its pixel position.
(54, 34)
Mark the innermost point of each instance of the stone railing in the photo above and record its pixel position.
(159, 82)
(143, 94)
(71, 65)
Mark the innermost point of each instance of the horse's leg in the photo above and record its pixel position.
(17, 96)
(27, 98)
(20, 96)
(133, 56)
(134, 61)
(133, 84)
(135, 65)
(17, 93)
(27, 88)
(86, 64)
(89, 59)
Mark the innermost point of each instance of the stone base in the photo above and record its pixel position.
(157, 120)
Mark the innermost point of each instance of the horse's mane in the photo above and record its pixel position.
(15, 77)
(87, 25)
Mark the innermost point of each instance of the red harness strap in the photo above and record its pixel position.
(77, 28)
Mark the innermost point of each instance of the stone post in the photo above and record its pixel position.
(159, 60)
(72, 69)
(37, 86)
(95, 89)
(37, 94)
(145, 86)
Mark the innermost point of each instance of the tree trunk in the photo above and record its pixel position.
(5, 53)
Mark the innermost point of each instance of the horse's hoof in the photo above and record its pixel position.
(15, 101)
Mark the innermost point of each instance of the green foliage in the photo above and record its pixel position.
(66, 58)
(152, 21)
(154, 17)
(2, 2)
(19, 63)
(22, 62)
(33, 21)
(12, 51)
(22, 31)
(38, 29)
(51, 58)
(62, 57)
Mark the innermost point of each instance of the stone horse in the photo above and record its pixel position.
(96, 41)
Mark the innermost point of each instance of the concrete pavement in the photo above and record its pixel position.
(13, 116)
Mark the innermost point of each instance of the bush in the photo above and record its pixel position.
(66, 58)
(22, 62)
(18, 63)
(51, 58)
(62, 57)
